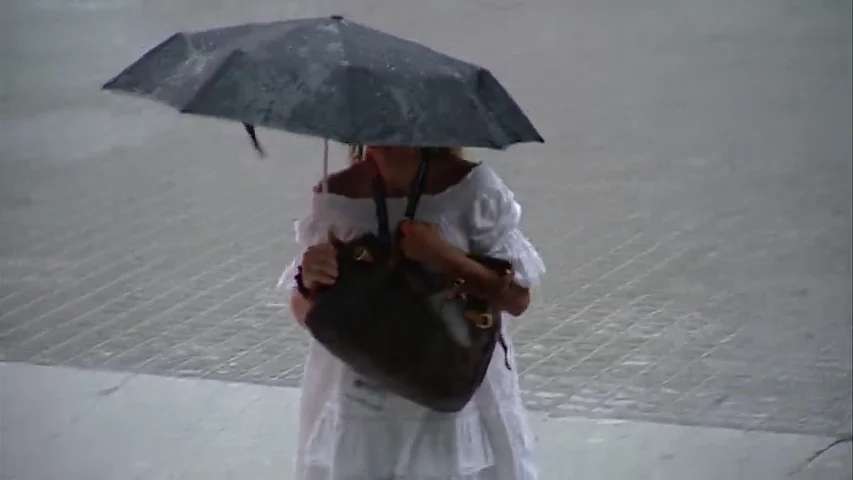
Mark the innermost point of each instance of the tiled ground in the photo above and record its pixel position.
(692, 203)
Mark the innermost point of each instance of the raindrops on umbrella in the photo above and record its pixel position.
(331, 78)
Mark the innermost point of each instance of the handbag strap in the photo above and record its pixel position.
(415, 192)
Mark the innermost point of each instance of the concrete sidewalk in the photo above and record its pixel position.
(60, 423)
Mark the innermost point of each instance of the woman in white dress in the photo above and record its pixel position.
(351, 429)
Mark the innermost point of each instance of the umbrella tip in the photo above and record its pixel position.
(253, 136)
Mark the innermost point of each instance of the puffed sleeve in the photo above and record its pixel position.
(306, 233)
(496, 232)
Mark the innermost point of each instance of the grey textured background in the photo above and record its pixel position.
(693, 201)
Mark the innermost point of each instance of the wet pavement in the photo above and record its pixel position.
(116, 426)
(692, 202)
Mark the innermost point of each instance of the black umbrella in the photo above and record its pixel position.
(332, 78)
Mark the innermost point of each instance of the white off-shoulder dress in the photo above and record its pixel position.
(351, 429)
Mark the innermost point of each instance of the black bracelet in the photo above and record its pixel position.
(300, 285)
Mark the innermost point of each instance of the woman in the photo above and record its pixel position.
(351, 429)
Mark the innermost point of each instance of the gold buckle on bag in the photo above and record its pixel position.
(481, 320)
(361, 254)
(485, 321)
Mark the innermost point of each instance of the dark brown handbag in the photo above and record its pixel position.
(394, 323)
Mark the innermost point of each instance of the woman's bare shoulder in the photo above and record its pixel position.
(461, 168)
(452, 174)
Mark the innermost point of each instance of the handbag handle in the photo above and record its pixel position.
(415, 192)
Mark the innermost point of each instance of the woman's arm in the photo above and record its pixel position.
(483, 282)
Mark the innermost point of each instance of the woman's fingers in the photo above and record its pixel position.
(319, 265)
(325, 267)
(323, 258)
(314, 275)
(319, 253)
(323, 278)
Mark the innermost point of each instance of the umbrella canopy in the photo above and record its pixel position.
(331, 78)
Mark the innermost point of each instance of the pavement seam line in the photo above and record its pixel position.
(817, 454)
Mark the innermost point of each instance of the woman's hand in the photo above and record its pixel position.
(422, 243)
(319, 265)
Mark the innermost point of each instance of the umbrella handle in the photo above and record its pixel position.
(324, 188)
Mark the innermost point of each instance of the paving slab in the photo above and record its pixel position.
(144, 427)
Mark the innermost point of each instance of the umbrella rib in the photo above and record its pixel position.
(485, 113)
(211, 80)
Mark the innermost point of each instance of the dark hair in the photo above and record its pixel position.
(356, 152)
